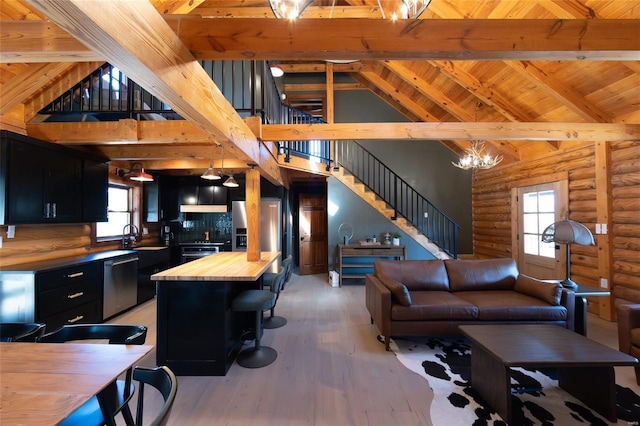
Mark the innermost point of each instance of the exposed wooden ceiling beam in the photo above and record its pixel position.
(462, 131)
(134, 37)
(321, 87)
(181, 133)
(562, 92)
(24, 85)
(320, 39)
(178, 7)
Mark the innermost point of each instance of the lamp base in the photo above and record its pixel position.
(567, 283)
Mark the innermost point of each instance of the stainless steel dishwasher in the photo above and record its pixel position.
(120, 285)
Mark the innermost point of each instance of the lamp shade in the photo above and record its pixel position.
(141, 176)
(568, 232)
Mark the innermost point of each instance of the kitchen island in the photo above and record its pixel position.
(198, 335)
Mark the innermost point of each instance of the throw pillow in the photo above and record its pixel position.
(397, 289)
(549, 292)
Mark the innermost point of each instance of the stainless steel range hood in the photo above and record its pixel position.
(203, 208)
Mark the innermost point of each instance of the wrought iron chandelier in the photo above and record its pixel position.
(292, 9)
(476, 158)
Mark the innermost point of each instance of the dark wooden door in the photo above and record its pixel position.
(313, 234)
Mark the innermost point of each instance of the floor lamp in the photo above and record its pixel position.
(568, 232)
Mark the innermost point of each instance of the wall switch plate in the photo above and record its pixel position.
(426, 215)
(604, 228)
(145, 231)
(11, 231)
(604, 283)
(598, 228)
(0, 242)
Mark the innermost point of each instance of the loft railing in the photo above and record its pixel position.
(107, 94)
(316, 150)
(399, 195)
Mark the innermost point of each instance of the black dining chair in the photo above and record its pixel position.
(116, 397)
(163, 379)
(21, 331)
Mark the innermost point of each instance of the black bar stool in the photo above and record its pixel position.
(255, 301)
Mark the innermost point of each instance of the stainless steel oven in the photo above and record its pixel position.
(197, 250)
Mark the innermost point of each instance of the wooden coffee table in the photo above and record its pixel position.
(585, 367)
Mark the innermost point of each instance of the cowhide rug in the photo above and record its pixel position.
(537, 399)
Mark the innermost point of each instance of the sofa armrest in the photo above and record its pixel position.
(378, 301)
(568, 300)
(628, 319)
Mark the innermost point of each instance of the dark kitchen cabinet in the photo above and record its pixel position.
(212, 194)
(42, 185)
(70, 295)
(48, 183)
(95, 191)
(151, 208)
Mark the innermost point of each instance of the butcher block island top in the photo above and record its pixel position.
(223, 266)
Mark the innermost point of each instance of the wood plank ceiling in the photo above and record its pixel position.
(565, 63)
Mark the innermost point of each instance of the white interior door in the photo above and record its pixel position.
(538, 207)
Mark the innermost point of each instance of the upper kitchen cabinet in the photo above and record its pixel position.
(45, 183)
(95, 191)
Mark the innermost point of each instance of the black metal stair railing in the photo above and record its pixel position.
(315, 150)
(399, 195)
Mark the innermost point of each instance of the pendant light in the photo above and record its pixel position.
(230, 182)
(211, 173)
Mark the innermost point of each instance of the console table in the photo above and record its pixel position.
(365, 251)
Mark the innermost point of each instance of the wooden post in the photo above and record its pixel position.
(603, 217)
(253, 214)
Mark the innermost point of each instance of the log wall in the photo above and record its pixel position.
(604, 187)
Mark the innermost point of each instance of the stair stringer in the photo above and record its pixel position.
(381, 207)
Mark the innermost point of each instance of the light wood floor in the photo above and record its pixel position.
(330, 370)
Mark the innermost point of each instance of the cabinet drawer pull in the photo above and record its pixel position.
(76, 319)
(76, 275)
(74, 295)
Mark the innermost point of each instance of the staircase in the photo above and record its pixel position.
(381, 207)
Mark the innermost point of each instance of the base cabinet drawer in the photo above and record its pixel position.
(87, 313)
(63, 298)
(66, 276)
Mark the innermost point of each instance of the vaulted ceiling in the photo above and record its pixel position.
(548, 73)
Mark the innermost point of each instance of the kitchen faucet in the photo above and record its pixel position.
(126, 238)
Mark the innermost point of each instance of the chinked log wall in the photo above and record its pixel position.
(34, 243)
(604, 187)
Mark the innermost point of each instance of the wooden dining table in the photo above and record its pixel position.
(42, 383)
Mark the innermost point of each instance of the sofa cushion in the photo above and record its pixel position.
(434, 305)
(549, 292)
(399, 292)
(415, 274)
(507, 305)
(485, 274)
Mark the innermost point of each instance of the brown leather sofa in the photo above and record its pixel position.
(629, 332)
(434, 297)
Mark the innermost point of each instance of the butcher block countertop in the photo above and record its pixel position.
(223, 266)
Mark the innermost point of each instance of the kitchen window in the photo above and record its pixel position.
(119, 213)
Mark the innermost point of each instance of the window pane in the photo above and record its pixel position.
(531, 223)
(531, 244)
(114, 226)
(548, 250)
(530, 202)
(546, 219)
(546, 201)
(118, 199)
